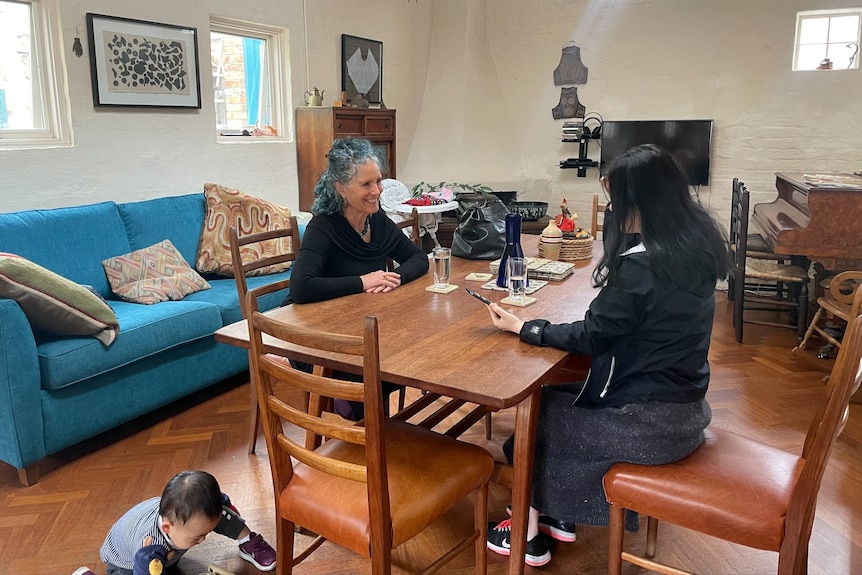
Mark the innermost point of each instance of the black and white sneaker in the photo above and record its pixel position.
(537, 554)
(559, 530)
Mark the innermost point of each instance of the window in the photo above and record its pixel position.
(34, 107)
(827, 39)
(248, 70)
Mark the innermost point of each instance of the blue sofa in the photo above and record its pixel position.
(56, 393)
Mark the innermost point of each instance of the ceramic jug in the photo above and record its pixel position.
(314, 98)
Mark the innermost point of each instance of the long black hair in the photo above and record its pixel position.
(684, 244)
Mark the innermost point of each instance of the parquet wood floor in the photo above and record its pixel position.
(758, 388)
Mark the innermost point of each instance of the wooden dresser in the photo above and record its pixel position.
(318, 127)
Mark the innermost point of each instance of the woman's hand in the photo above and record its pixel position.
(380, 281)
(505, 320)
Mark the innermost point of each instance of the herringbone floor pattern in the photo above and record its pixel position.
(758, 388)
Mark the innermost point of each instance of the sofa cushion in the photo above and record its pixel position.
(54, 304)
(146, 331)
(226, 208)
(71, 242)
(153, 274)
(177, 218)
(223, 293)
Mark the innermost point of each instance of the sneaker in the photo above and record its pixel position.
(258, 552)
(83, 571)
(559, 530)
(537, 553)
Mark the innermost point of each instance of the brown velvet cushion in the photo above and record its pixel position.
(227, 207)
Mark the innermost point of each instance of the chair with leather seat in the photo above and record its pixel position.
(735, 488)
(372, 486)
(843, 300)
(250, 253)
(746, 270)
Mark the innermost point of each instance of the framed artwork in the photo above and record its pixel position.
(138, 63)
(362, 68)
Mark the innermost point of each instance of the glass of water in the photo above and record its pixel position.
(517, 269)
(441, 259)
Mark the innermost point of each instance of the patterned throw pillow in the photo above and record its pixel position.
(226, 207)
(54, 304)
(154, 274)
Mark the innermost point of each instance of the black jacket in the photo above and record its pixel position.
(648, 342)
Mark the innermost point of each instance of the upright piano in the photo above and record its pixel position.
(816, 215)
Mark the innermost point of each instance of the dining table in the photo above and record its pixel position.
(446, 343)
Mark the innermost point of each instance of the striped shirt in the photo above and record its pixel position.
(128, 534)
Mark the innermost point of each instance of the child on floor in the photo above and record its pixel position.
(157, 532)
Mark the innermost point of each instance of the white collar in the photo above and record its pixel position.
(640, 248)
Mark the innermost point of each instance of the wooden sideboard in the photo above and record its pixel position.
(318, 127)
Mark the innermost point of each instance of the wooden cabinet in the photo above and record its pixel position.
(318, 127)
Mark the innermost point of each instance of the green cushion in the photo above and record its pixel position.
(54, 304)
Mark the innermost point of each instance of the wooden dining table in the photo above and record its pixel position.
(447, 344)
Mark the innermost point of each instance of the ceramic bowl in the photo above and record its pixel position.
(530, 211)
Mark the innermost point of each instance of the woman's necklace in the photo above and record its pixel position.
(367, 226)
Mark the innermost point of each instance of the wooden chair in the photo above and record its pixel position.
(249, 254)
(370, 487)
(597, 226)
(738, 489)
(765, 270)
(842, 300)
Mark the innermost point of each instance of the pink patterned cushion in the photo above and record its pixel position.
(153, 274)
(226, 207)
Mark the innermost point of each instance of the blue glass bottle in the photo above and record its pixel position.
(512, 249)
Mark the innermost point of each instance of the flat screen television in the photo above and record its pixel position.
(688, 140)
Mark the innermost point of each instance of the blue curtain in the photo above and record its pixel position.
(251, 48)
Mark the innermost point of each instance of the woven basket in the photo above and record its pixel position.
(573, 250)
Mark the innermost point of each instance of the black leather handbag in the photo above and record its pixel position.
(481, 231)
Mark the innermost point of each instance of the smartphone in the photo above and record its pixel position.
(478, 296)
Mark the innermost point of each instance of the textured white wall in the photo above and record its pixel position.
(472, 82)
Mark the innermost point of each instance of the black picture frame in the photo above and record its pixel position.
(356, 69)
(143, 64)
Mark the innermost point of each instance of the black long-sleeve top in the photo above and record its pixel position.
(332, 256)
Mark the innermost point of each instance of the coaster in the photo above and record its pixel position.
(527, 301)
(448, 289)
(478, 277)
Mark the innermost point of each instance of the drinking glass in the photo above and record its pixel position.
(441, 259)
(517, 268)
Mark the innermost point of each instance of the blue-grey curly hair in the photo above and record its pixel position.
(346, 155)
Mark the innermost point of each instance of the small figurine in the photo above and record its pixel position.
(565, 220)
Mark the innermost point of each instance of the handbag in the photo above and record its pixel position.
(481, 231)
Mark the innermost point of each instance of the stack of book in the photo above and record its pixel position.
(541, 268)
(572, 131)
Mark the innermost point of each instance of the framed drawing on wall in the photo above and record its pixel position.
(138, 63)
(362, 68)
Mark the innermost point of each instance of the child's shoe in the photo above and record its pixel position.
(559, 530)
(499, 534)
(83, 571)
(258, 552)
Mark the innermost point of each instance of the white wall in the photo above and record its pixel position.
(472, 82)
(728, 60)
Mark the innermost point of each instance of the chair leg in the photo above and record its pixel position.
(651, 536)
(488, 426)
(802, 320)
(480, 517)
(401, 393)
(615, 539)
(254, 419)
(284, 534)
(814, 321)
(738, 307)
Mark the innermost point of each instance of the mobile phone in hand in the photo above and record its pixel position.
(478, 296)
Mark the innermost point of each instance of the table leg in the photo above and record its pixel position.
(526, 419)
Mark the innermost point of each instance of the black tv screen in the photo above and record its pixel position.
(688, 140)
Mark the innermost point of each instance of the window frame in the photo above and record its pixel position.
(277, 45)
(50, 76)
(820, 14)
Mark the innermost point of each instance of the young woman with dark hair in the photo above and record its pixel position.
(648, 333)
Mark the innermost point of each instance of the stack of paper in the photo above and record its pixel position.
(542, 268)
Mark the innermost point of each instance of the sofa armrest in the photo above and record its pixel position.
(22, 439)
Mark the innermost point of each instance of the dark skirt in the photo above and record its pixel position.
(575, 446)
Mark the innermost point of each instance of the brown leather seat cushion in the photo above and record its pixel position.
(427, 474)
(731, 487)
